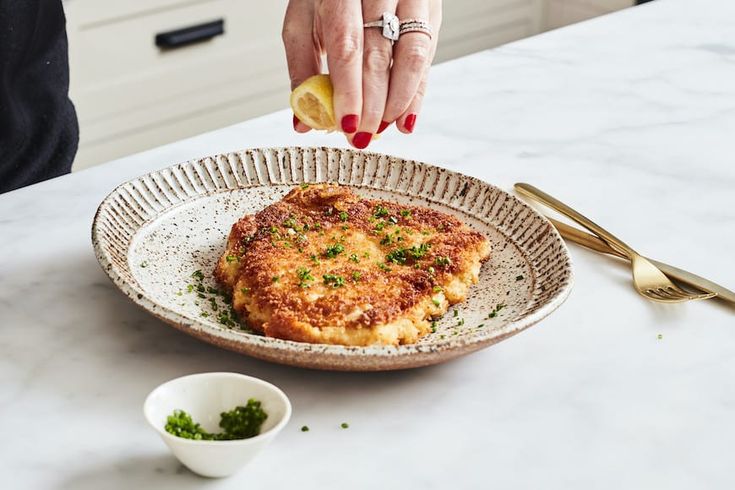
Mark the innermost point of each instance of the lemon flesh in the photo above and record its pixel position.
(312, 102)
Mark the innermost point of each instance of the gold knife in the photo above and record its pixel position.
(597, 244)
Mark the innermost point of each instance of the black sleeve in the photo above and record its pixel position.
(38, 126)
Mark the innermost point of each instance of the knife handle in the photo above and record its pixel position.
(555, 204)
(583, 238)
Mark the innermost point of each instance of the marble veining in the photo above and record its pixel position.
(628, 117)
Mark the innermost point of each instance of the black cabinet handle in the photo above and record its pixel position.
(190, 35)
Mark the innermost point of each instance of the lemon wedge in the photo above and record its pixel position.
(312, 103)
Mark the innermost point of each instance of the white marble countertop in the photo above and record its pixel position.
(630, 118)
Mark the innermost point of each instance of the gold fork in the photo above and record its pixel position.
(648, 279)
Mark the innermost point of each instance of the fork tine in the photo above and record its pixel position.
(702, 296)
(661, 294)
(685, 294)
(658, 295)
(667, 293)
(675, 294)
(661, 299)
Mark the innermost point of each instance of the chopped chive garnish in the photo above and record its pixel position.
(405, 213)
(397, 256)
(231, 258)
(442, 261)
(343, 216)
(380, 212)
(496, 310)
(333, 250)
(420, 251)
(333, 280)
(400, 255)
(304, 276)
(227, 319)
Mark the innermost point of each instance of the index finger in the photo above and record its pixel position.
(343, 35)
(302, 55)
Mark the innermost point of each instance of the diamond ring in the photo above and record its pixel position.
(390, 25)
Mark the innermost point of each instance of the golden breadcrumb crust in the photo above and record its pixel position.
(326, 266)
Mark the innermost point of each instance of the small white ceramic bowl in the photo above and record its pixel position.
(204, 396)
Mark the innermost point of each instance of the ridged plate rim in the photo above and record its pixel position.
(323, 356)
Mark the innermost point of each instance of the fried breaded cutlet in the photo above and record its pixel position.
(323, 265)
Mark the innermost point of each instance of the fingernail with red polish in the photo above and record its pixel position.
(296, 122)
(410, 122)
(349, 123)
(362, 139)
(383, 125)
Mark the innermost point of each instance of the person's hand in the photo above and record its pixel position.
(375, 83)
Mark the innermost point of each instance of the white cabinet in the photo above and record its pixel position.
(560, 13)
(132, 95)
(473, 25)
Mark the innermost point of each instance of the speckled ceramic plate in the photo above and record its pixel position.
(152, 233)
